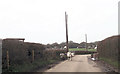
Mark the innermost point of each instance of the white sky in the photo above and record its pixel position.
(43, 21)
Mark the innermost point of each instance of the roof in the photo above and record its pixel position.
(14, 39)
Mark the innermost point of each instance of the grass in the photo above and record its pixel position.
(109, 61)
(81, 49)
(47, 59)
(29, 67)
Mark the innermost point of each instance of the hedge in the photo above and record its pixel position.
(109, 48)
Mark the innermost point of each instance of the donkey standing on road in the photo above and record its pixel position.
(69, 55)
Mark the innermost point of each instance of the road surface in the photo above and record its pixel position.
(79, 63)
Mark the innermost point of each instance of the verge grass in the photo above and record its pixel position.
(30, 67)
(81, 49)
(109, 61)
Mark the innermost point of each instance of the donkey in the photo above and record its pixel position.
(69, 55)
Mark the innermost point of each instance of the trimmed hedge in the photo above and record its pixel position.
(53, 54)
(20, 52)
(20, 55)
(109, 48)
(84, 52)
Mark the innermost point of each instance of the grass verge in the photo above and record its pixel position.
(81, 49)
(109, 61)
(30, 67)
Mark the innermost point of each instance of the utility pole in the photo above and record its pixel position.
(86, 41)
(66, 18)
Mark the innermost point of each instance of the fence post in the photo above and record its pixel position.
(7, 59)
(32, 55)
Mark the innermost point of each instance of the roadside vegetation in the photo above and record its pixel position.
(21, 56)
(111, 62)
(81, 49)
(49, 57)
(30, 67)
(108, 50)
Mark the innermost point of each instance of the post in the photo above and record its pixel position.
(66, 16)
(86, 42)
(32, 55)
(7, 57)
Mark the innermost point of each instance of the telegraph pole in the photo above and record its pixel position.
(86, 41)
(66, 19)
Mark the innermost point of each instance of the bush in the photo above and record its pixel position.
(20, 52)
(20, 56)
(52, 54)
(84, 52)
(108, 48)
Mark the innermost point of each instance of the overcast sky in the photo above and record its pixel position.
(43, 21)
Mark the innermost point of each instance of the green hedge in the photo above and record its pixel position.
(20, 52)
(108, 49)
(20, 56)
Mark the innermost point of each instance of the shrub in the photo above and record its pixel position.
(108, 48)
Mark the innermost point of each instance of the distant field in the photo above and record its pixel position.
(81, 49)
